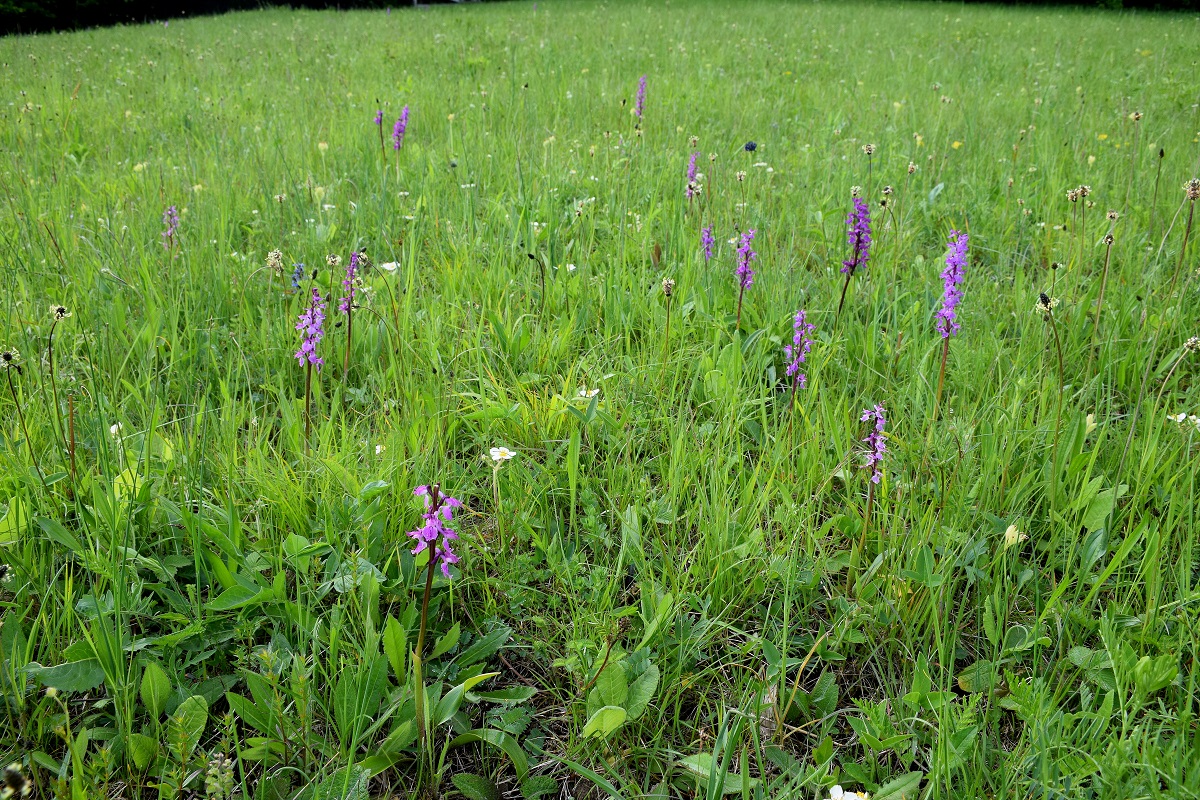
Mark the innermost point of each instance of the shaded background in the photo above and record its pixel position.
(28, 16)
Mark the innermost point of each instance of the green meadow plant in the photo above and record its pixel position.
(681, 558)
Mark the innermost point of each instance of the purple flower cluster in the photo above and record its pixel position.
(312, 323)
(692, 187)
(379, 117)
(348, 283)
(952, 275)
(706, 242)
(171, 224)
(640, 105)
(434, 533)
(858, 236)
(745, 255)
(401, 127)
(875, 441)
(797, 351)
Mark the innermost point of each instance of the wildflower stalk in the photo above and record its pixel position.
(312, 324)
(947, 315)
(858, 236)
(744, 273)
(71, 432)
(878, 447)
(668, 287)
(58, 313)
(307, 409)
(542, 280)
(1154, 201)
(434, 539)
(937, 400)
(1108, 243)
(21, 417)
(1046, 307)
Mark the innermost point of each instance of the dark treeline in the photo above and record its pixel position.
(30, 16)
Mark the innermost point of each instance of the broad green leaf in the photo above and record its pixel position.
(73, 676)
(186, 726)
(474, 787)
(824, 695)
(251, 714)
(515, 694)
(156, 688)
(611, 685)
(1098, 510)
(57, 534)
(14, 521)
(979, 677)
(903, 788)
(500, 740)
(347, 783)
(446, 642)
(483, 647)
(141, 749)
(641, 692)
(701, 767)
(238, 596)
(539, 786)
(604, 722)
(395, 645)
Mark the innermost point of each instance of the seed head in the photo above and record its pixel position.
(692, 142)
(333, 260)
(887, 190)
(668, 286)
(911, 168)
(1192, 189)
(1192, 345)
(1084, 191)
(712, 157)
(1136, 116)
(275, 261)
(1113, 216)
(741, 175)
(10, 358)
(855, 191)
(59, 313)
(869, 149)
(1073, 195)
(1108, 238)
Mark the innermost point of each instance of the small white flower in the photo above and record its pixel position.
(570, 267)
(1180, 417)
(836, 792)
(501, 454)
(115, 429)
(390, 266)
(588, 393)
(1091, 424)
(379, 449)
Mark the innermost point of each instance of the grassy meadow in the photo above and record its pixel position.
(959, 566)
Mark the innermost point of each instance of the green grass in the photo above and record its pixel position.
(683, 567)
